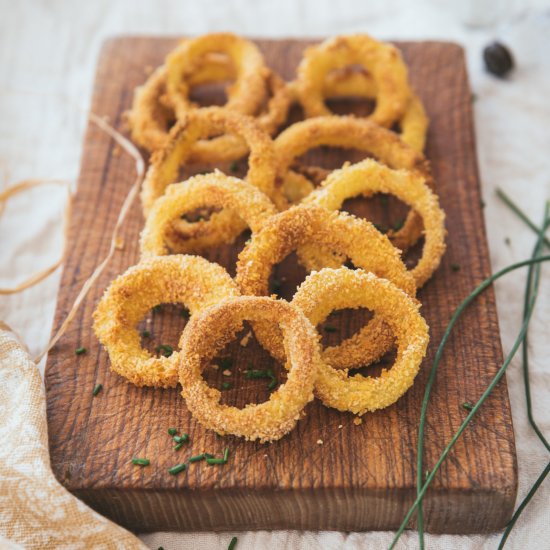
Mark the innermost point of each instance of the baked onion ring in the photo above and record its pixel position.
(352, 133)
(247, 92)
(201, 124)
(248, 205)
(338, 232)
(382, 61)
(330, 289)
(367, 178)
(206, 334)
(150, 119)
(188, 280)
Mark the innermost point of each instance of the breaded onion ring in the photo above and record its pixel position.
(367, 178)
(413, 124)
(269, 118)
(248, 89)
(150, 119)
(188, 280)
(382, 61)
(248, 206)
(199, 124)
(353, 133)
(208, 333)
(338, 232)
(331, 289)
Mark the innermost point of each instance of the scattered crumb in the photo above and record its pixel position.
(340, 426)
(214, 366)
(119, 243)
(148, 321)
(358, 421)
(319, 442)
(246, 339)
(265, 456)
(227, 372)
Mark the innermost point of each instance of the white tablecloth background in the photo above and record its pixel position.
(49, 48)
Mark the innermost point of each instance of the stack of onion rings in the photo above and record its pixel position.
(350, 133)
(343, 234)
(179, 132)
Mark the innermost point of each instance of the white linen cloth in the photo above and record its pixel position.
(48, 50)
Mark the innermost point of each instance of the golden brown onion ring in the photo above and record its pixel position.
(330, 289)
(150, 118)
(382, 61)
(367, 178)
(340, 233)
(248, 206)
(201, 124)
(207, 334)
(188, 280)
(248, 90)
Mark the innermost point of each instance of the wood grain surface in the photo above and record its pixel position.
(329, 473)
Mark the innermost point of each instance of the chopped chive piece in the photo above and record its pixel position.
(379, 227)
(165, 350)
(232, 544)
(197, 458)
(145, 334)
(80, 351)
(273, 384)
(175, 470)
(178, 446)
(329, 328)
(183, 438)
(455, 267)
(172, 431)
(467, 405)
(234, 167)
(214, 461)
(227, 385)
(97, 389)
(157, 308)
(208, 455)
(184, 313)
(141, 461)
(398, 224)
(226, 362)
(211, 460)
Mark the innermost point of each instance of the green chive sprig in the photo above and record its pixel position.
(422, 487)
(97, 389)
(141, 461)
(175, 470)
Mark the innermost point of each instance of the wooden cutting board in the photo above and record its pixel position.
(329, 473)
